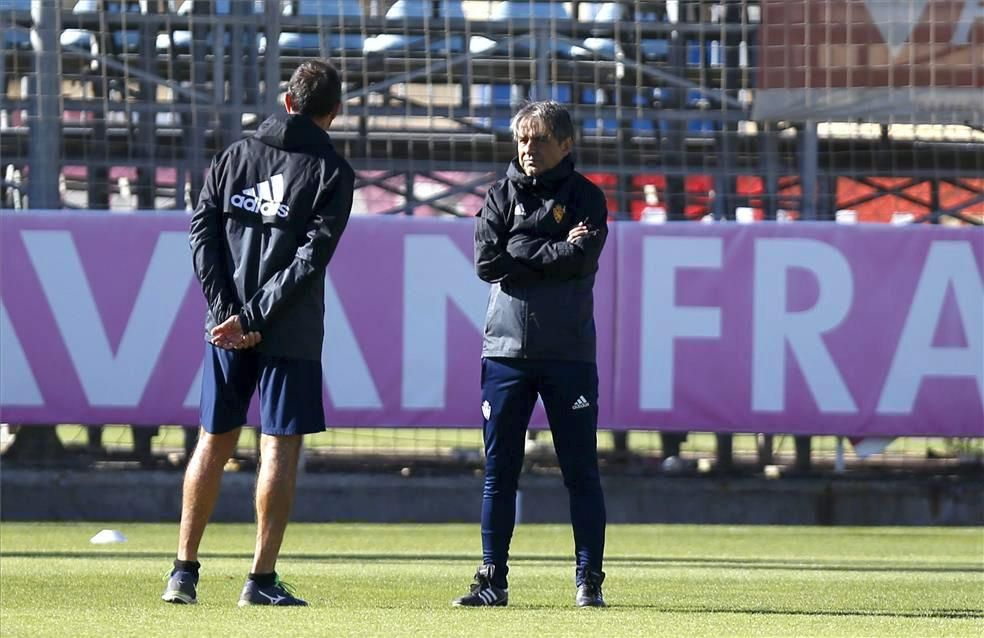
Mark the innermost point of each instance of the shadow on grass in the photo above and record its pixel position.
(642, 561)
(954, 614)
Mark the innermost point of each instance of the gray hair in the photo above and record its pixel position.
(549, 115)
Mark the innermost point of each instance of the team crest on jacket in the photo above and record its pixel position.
(486, 410)
(558, 212)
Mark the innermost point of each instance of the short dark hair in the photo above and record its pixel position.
(315, 88)
(550, 115)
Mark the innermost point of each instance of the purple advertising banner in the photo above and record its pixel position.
(812, 329)
(103, 322)
(800, 328)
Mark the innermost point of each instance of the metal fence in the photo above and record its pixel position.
(725, 109)
(847, 110)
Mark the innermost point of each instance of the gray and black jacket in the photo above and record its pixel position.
(268, 220)
(541, 305)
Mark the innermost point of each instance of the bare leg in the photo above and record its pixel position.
(201, 488)
(274, 497)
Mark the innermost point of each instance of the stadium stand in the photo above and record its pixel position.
(662, 92)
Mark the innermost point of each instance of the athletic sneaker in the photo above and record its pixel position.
(483, 593)
(279, 593)
(589, 591)
(181, 588)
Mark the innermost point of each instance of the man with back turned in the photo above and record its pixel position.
(267, 223)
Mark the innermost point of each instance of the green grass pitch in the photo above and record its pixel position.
(398, 580)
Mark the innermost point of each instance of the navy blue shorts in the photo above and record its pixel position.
(290, 392)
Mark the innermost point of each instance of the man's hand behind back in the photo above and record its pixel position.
(229, 335)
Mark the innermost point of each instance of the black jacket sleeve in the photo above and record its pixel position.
(493, 263)
(323, 232)
(563, 259)
(206, 236)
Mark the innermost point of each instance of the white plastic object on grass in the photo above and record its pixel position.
(107, 536)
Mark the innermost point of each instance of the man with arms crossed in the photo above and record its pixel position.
(267, 223)
(537, 241)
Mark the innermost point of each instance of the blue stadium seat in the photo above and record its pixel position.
(217, 7)
(561, 93)
(80, 38)
(411, 44)
(523, 10)
(696, 100)
(16, 39)
(597, 48)
(181, 39)
(603, 12)
(334, 8)
(419, 9)
(597, 125)
(324, 42)
(125, 41)
(693, 53)
(507, 95)
(712, 53)
(588, 49)
(93, 6)
(654, 50)
(645, 127)
(293, 43)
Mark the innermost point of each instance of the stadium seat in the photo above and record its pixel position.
(597, 125)
(696, 100)
(654, 50)
(507, 95)
(516, 10)
(124, 41)
(561, 93)
(217, 7)
(180, 40)
(588, 49)
(602, 12)
(324, 41)
(597, 48)
(15, 6)
(712, 57)
(95, 6)
(80, 38)
(645, 127)
(17, 39)
(325, 44)
(333, 8)
(416, 44)
(419, 9)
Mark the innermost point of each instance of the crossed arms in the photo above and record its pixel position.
(504, 257)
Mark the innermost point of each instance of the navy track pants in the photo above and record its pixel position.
(569, 390)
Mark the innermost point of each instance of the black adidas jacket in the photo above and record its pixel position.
(541, 305)
(268, 220)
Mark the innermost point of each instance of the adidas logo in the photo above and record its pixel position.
(265, 198)
(489, 597)
(580, 403)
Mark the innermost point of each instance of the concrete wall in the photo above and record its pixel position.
(155, 496)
